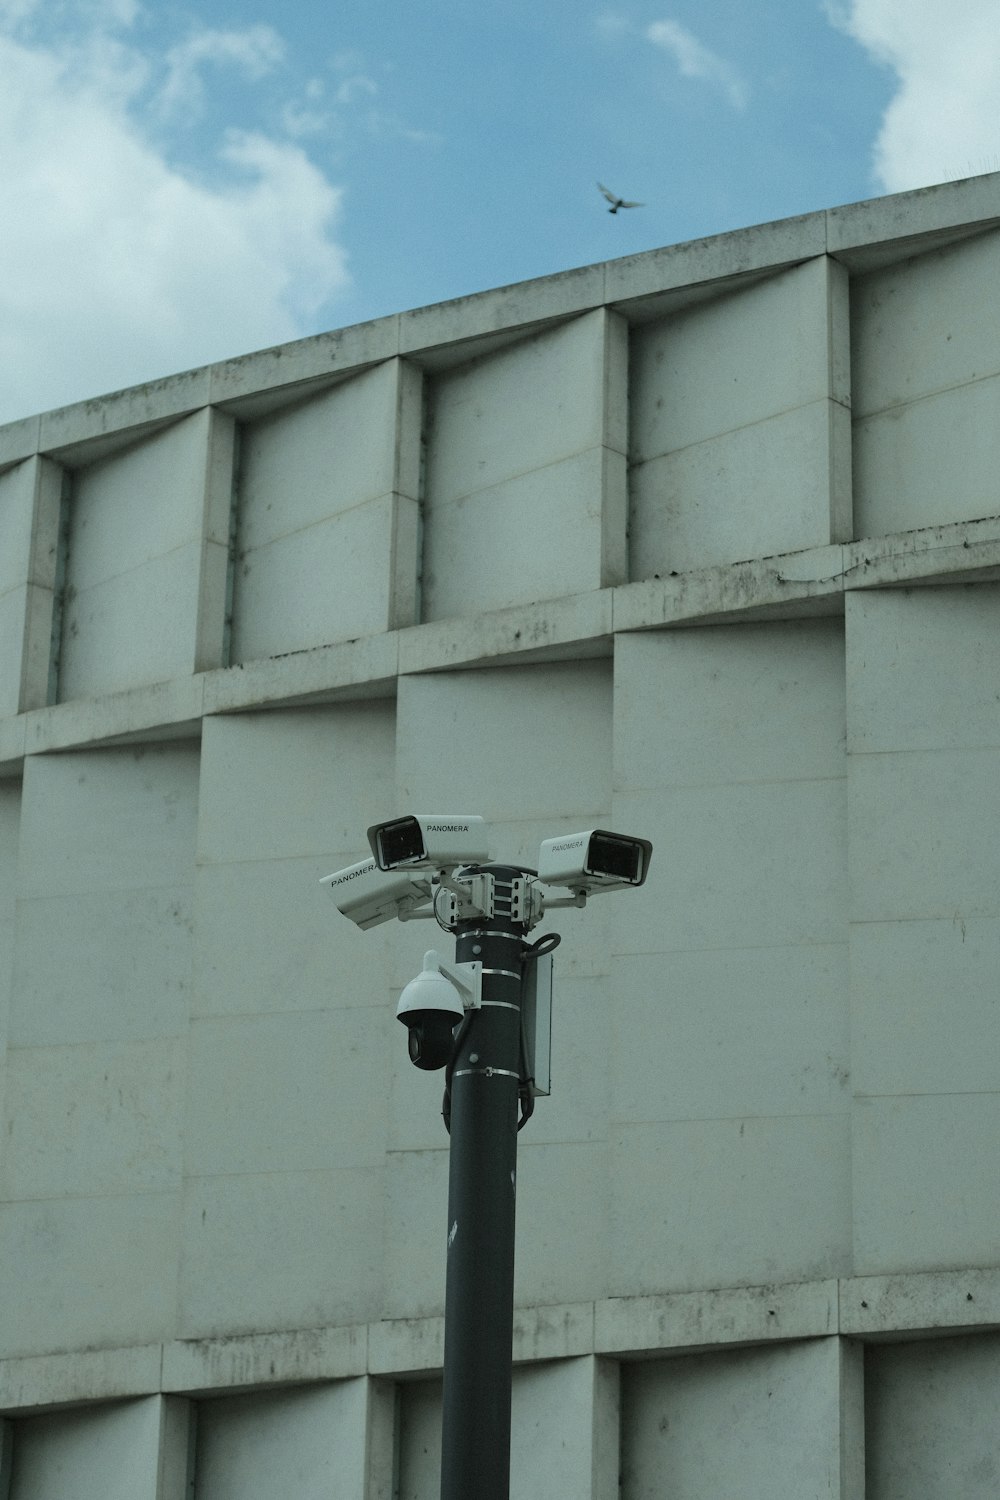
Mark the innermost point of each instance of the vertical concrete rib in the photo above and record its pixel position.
(407, 468)
(219, 499)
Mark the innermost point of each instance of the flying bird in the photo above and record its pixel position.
(615, 201)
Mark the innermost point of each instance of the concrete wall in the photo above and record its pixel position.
(701, 545)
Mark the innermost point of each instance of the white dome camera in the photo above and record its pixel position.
(433, 1004)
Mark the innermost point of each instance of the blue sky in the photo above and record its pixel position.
(184, 182)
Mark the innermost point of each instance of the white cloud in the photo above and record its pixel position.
(695, 60)
(116, 267)
(255, 52)
(357, 86)
(944, 118)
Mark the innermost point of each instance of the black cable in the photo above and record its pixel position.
(461, 1033)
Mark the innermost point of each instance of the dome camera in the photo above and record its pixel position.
(433, 1004)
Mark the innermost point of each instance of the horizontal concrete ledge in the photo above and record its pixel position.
(868, 1308)
(685, 1321)
(250, 1361)
(44, 1381)
(787, 586)
(920, 1304)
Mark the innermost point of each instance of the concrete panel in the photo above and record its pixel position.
(416, 1225)
(536, 401)
(291, 1092)
(325, 532)
(904, 649)
(330, 581)
(303, 1444)
(732, 362)
(730, 703)
(929, 461)
(564, 1431)
(268, 938)
(730, 1032)
(925, 835)
(534, 535)
(924, 1181)
(93, 1120)
(420, 1440)
(930, 1419)
(918, 327)
(318, 459)
(134, 628)
(115, 820)
(294, 783)
(109, 1452)
(746, 866)
(137, 522)
(740, 396)
(108, 966)
(696, 1203)
(926, 392)
(522, 742)
(80, 1272)
(748, 1422)
(516, 467)
(567, 1230)
(138, 505)
(925, 1015)
(751, 492)
(280, 1250)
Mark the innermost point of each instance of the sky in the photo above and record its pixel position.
(181, 183)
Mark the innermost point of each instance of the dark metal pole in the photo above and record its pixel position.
(479, 1299)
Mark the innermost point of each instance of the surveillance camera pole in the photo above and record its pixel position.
(484, 1080)
(490, 908)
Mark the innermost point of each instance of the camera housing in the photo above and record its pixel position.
(597, 860)
(429, 841)
(369, 895)
(433, 1004)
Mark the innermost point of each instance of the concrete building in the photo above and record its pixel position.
(703, 545)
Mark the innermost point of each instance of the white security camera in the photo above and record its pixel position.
(369, 895)
(429, 841)
(433, 1004)
(594, 861)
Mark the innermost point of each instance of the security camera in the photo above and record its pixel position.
(433, 1004)
(369, 895)
(428, 841)
(594, 861)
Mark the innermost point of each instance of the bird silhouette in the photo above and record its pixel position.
(615, 201)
